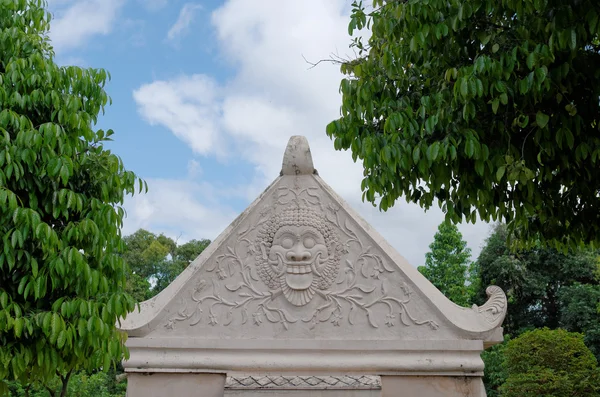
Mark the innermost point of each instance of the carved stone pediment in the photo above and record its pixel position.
(300, 271)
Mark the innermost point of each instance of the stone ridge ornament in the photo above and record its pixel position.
(300, 274)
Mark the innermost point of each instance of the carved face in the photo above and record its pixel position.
(297, 253)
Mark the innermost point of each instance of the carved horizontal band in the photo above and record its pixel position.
(348, 382)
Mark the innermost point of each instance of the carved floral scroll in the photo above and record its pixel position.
(301, 250)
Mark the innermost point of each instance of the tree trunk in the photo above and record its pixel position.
(65, 383)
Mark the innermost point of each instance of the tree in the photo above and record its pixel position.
(144, 251)
(447, 263)
(155, 261)
(550, 363)
(579, 312)
(61, 276)
(182, 256)
(488, 107)
(82, 384)
(545, 288)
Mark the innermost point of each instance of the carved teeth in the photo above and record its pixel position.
(299, 269)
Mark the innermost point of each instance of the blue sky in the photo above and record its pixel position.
(207, 93)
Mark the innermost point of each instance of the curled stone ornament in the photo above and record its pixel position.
(297, 252)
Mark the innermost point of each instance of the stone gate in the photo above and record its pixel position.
(299, 288)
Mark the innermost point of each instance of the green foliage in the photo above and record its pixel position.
(138, 287)
(550, 363)
(156, 260)
(545, 289)
(81, 384)
(489, 107)
(446, 264)
(495, 371)
(61, 276)
(533, 281)
(578, 312)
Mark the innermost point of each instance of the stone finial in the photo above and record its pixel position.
(297, 159)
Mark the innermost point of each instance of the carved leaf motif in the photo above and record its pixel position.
(326, 313)
(183, 310)
(352, 314)
(244, 230)
(270, 315)
(357, 297)
(253, 274)
(349, 231)
(384, 287)
(364, 288)
(383, 264)
(229, 317)
(234, 288)
(210, 266)
(365, 268)
(370, 318)
(288, 317)
(198, 314)
(349, 265)
(244, 315)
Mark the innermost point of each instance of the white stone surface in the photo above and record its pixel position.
(431, 386)
(180, 385)
(297, 159)
(300, 284)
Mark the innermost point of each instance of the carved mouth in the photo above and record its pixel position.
(299, 268)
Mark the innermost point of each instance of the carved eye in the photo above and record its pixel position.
(309, 242)
(287, 243)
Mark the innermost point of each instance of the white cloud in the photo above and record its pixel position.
(185, 19)
(273, 95)
(189, 106)
(172, 207)
(76, 21)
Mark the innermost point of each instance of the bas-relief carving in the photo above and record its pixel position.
(300, 262)
(297, 254)
(299, 271)
(495, 306)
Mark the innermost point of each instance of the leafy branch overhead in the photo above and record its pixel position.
(62, 278)
(489, 108)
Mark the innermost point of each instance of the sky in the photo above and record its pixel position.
(205, 97)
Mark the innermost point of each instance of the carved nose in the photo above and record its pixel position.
(298, 256)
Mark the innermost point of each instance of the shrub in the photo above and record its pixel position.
(553, 363)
